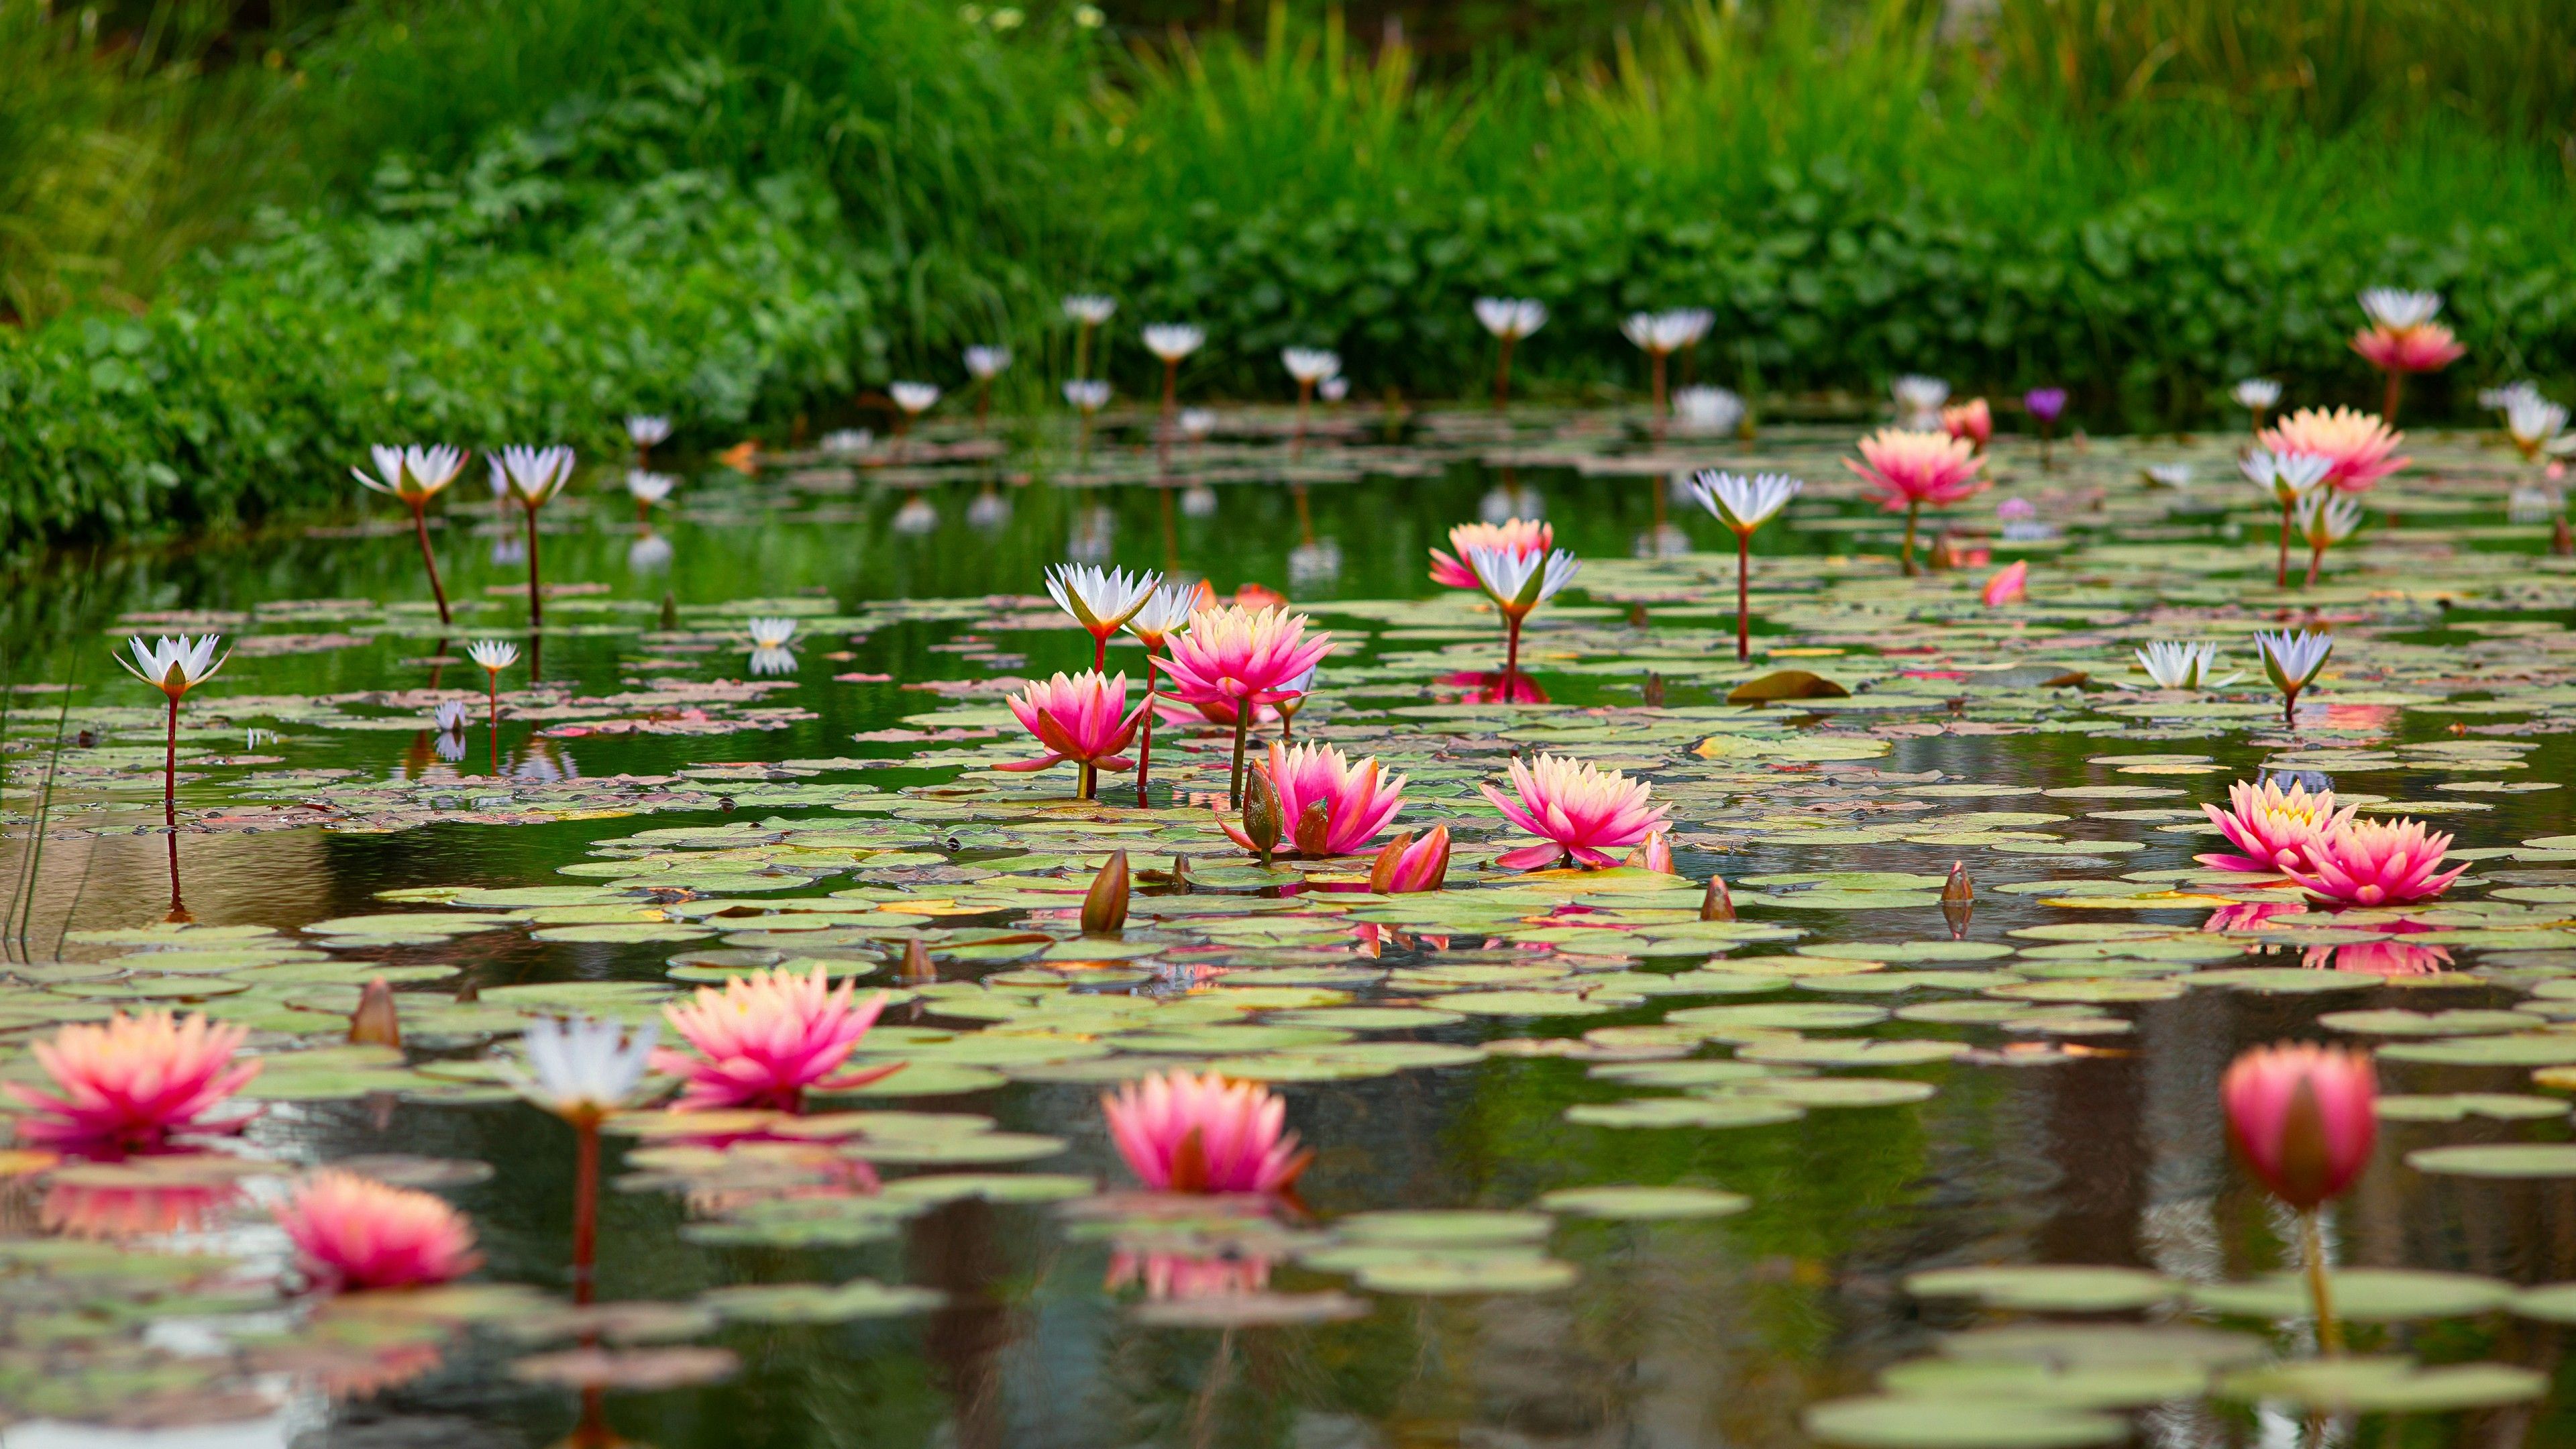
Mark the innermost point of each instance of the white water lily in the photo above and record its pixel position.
(847, 442)
(494, 655)
(581, 1069)
(1665, 332)
(989, 510)
(2535, 423)
(1520, 582)
(649, 488)
(915, 398)
(2168, 475)
(1511, 317)
(2502, 399)
(413, 474)
(1087, 395)
(1334, 388)
(1089, 308)
(1198, 422)
(1310, 365)
(2287, 477)
(986, 363)
(2256, 394)
(770, 632)
(1172, 341)
(2291, 660)
(2397, 309)
(531, 475)
(174, 666)
(1919, 399)
(2182, 666)
(1198, 501)
(1741, 503)
(917, 515)
(1164, 613)
(2325, 519)
(451, 717)
(1100, 600)
(645, 429)
(1708, 411)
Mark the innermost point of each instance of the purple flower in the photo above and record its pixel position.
(2045, 403)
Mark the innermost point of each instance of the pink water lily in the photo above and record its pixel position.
(1911, 469)
(2273, 828)
(2303, 1116)
(133, 1082)
(354, 1233)
(1243, 658)
(1577, 810)
(1356, 802)
(2358, 445)
(1406, 865)
(1083, 719)
(765, 1039)
(2376, 863)
(2010, 585)
(1188, 1133)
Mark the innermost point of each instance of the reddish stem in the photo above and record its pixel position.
(2281, 566)
(585, 1212)
(1511, 657)
(493, 678)
(1503, 373)
(2396, 386)
(170, 771)
(420, 528)
(1145, 752)
(1743, 596)
(1912, 510)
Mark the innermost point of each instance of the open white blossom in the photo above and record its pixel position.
(1511, 317)
(915, 398)
(1741, 503)
(2397, 309)
(1172, 341)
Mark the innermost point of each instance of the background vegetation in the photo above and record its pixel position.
(240, 240)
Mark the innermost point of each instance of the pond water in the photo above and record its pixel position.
(1858, 1086)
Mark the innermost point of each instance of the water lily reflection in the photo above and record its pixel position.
(649, 554)
(1315, 562)
(1509, 500)
(2379, 958)
(1476, 686)
(916, 515)
(110, 1211)
(1166, 1276)
(1198, 501)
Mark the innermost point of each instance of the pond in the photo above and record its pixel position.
(1596, 1158)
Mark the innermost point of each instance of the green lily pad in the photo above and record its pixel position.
(1644, 1204)
(2385, 1384)
(818, 1303)
(1914, 1422)
(2364, 1295)
(2046, 1288)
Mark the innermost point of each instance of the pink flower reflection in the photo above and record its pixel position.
(1185, 1275)
(2379, 958)
(1472, 686)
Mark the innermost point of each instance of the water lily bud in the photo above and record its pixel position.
(2303, 1117)
(1261, 822)
(1652, 696)
(1717, 904)
(1104, 909)
(917, 969)
(2562, 542)
(1406, 865)
(670, 612)
(1314, 825)
(1958, 889)
(376, 1022)
(1181, 873)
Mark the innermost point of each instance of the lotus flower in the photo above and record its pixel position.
(1405, 865)
(1172, 341)
(986, 363)
(354, 1233)
(1086, 396)
(1577, 810)
(1355, 803)
(132, 1082)
(2289, 478)
(1308, 366)
(2534, 422)
(1100, 600)
(1511, 318)
(2010, 585)
(1185, 1133)
(1661, 334)
(2375, 863)
(2274, 829)
(1242, 658)
(1972, 420)
(913, 398)
(1656, 854)
(1083, 719)
(2357, 445)
(1090, 309)
(1911, 469)
(766, 1038)
(2047, 404)
(1516, 536)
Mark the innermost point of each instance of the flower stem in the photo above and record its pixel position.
(2320, 1292)
(493, 678)
(1234, 781)
(170, 771)
(1743, 596)
(1100, 654)
(2316, 556)
(2396, 385)
(1090, 785)
(420, 528)
(1145, 751)
(585, 1211)
(1511, 657)
(536, 593)
(1913, 509)
(1503, 373)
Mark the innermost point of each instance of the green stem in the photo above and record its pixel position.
(1243, 708)
(2320, 1291)
(1090, 781)
(1743, 595)
(1912, 510)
